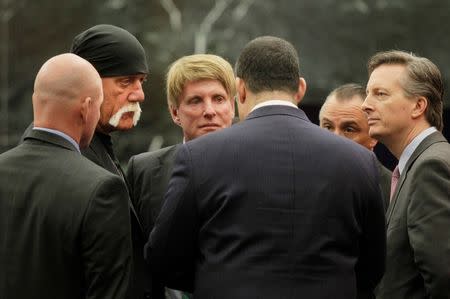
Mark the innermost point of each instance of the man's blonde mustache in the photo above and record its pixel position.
(132, 107)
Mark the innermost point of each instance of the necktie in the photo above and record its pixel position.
(394, 180)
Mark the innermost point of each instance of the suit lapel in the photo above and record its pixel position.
(426, 143)
(166, 163)
(98, 154)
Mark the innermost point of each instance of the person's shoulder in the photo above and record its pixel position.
(337, 144)
(153, 155)
(433, 147)
(6, 157)
(95, 179)
(219, 138)
(441, 146)
(438, 152)
(343, 152)
(90, 183)
(207, 142)
(84, 168)
(77, 170)
(383, 170)
(161, 152)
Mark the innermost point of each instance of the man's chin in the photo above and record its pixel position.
(375, 134)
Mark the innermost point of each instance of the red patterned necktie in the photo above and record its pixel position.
(394, 180)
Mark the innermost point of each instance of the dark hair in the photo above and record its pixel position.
(423, 79)
(348, 91)
(268, 64)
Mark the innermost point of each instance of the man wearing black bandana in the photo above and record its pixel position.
(120, 60)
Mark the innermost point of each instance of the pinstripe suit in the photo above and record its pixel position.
(264, 210)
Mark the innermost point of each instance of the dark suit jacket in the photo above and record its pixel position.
(141, 284)
(100, 152)
(418, 222)
(148, 175)
(64, 225)
(385, 184)
(273, 207)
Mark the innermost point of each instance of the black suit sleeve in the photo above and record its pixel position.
(171, 248)
(131, 181)
(372, 244)
(106, 243)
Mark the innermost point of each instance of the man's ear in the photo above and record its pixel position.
(420, 107)
(300, 91)
(241, 90)
(174, 113)
(233, 104)
(85, 108)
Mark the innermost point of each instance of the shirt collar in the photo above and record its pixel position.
(61, 134)
(272, 103)
(411, 147)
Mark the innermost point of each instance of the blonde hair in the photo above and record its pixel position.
(198, 67)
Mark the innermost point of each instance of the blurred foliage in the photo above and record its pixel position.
(334, 40)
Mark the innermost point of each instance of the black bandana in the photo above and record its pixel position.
(113, 51)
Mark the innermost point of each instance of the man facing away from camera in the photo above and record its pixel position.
(263, 209)
(64, 221)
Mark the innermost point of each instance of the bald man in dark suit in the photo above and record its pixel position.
(64, 221)
(120, 60)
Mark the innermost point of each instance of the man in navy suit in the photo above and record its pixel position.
(264, 209)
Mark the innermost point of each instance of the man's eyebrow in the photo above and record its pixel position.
(192, 96)
(349, 122)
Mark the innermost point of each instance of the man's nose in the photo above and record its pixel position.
(137, 94)
(366, 105)
(338, 132)
(209, 111)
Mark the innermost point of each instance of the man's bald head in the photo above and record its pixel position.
(342, 114)
(67, 90)
(64, 77)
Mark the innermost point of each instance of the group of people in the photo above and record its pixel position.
(272, 206)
